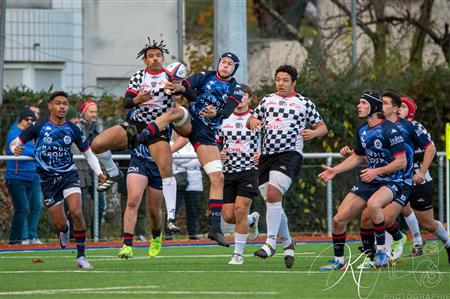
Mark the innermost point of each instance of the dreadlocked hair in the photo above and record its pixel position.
(152, 44)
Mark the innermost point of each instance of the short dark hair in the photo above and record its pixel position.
(246, 89)
(58, 93)
(288, 69)
(395, 97)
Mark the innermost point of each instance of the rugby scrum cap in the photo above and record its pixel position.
(412, 107)
(374, 100)
(233, 57)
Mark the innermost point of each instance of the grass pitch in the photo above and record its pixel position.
(203, 272)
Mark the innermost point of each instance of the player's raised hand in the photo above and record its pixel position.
(209, 112)
(368, 174)
(346, 152)
(223, 155)
(328, 174)
(174, 87)
(254, 123)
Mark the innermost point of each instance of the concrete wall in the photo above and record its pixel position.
(114, 31)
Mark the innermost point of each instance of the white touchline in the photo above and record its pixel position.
(118, 290)
(208, 271)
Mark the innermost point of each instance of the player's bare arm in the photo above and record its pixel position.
(369, 174)
(318, 130)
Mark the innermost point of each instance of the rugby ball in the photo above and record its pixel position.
(176, 71)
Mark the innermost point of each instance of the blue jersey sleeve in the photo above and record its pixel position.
(359, 149)
(197, 80)
(30, 133)
(79, 138)
(420, 135)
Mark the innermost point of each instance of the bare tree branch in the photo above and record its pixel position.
(291, 29)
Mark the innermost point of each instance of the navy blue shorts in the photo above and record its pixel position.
(53, 187)
(146, 168)
(400, 191)
(201, 133)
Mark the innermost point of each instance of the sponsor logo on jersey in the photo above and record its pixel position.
(396, 140)
(377, 143)
(237, 147)
(276, 124)
(239, 125)
(295, 105)
(67, 139)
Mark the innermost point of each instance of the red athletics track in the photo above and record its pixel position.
(116, 244)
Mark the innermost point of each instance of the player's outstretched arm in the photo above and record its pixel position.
(349, 163)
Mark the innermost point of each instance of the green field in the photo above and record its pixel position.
(203, 272)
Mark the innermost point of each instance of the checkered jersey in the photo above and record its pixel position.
(419, 130)
(283, 120)
(239, 142)
(161, 101)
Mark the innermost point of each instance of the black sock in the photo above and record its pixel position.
(128, 239)
(339, 242)
(368, 241)
(394, 230)
(380, 235)
(80, 238)
(156, 233)
(215, 206)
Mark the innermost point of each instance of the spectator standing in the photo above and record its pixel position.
(23, 185)
(189, 184)
(89, 125)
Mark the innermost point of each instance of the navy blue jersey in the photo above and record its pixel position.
(211, 90)
(53, 146)
(381, 144)
(414, 139)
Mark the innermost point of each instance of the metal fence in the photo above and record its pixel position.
(328, 157)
